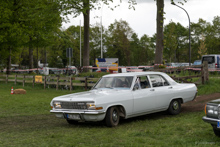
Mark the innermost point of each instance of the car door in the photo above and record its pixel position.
(143, 94)
(163, 91)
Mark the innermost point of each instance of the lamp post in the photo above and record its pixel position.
(189, 33)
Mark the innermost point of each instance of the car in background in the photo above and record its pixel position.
(124, 95)
(197, 62)
(213, 60)
(212, 111)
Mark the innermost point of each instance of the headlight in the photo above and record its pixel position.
(212, 111)
(57, 105)
(91, 106)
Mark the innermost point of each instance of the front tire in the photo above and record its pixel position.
(175, 107)
(217, 132)
(112, 117)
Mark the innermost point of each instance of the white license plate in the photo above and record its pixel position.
(73, 116)
(218, 124)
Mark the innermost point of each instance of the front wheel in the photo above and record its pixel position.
(217, 132)
(112, 117)
(175, 107)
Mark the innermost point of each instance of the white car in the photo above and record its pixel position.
(124, 95)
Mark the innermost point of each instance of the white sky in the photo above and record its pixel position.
(143, 19)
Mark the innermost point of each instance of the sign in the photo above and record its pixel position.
(110, 63)
(38, 79)
(69, 52)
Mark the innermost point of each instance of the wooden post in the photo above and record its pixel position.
(205, 72)
(6, 79)
(45, 79)
(23, 80)
(15, 79)
(33, 80)
(71, 83)
(57, 83)
(86, 83)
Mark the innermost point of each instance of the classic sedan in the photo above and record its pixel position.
(124, 95)
(212, 111)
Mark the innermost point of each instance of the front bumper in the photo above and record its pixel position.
(83, 114)
(212, 121)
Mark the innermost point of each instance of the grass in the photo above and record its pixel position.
(25, 121)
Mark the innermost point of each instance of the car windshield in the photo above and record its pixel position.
(115, 82)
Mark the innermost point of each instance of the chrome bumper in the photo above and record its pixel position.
(84, 115)
(210, 120)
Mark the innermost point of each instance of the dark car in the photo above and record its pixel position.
(212, 111)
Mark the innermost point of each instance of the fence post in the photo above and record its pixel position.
(33, 80)
(45, 78)
(71, 83)
(204, 72)
(6, 79)
(57, 83)
(86, 83)
(23, 80)
(15, 79)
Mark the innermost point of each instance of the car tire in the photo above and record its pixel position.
(112, 117)
(216, 131)
(72, 122)
(175, 107)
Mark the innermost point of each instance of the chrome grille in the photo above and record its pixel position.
(73, 105)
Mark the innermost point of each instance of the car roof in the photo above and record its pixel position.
(134, 74)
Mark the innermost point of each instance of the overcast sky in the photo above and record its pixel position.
(143, 19)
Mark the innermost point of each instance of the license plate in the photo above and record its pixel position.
(218, 124)
(73, 116)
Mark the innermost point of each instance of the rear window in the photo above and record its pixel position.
(209, 59)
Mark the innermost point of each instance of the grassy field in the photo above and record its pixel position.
(25, 121)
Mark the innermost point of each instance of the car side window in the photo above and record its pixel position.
(144, 82)
(158, 81)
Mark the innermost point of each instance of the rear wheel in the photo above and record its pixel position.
(112, 117)
(175, 107)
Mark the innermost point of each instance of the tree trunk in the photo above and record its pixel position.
(86, 16)
(30, 56)
(159, 40)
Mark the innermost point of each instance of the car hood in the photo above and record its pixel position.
(217, 101)
(91, 95)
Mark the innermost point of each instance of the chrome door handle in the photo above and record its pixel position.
(152, 90)
(170, 87)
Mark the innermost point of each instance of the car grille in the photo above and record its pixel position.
(73, 105)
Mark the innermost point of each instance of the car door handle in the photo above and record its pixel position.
(170, 87)
(152, 90)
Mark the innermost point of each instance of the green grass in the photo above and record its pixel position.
(25, 120)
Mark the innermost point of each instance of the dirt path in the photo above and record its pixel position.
(199, 103)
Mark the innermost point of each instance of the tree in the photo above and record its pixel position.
(40, 19)
(77, 7)
(159, 41)
(160, 35)
(118, 42)
(202, 48)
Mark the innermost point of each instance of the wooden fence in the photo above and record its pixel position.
(203, 74)
(56, 81)
(85, 82)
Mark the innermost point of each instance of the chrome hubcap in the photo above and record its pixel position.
(175, 105)
(114, 116)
